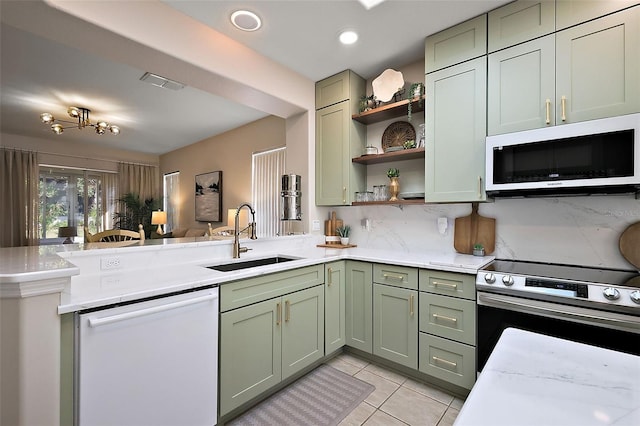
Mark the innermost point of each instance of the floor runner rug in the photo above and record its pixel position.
(325, 396)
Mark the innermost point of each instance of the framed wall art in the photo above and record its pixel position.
(209, 197)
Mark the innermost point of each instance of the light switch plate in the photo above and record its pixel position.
(315, 225)
(443, 224)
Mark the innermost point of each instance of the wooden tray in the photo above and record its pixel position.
(337, 246)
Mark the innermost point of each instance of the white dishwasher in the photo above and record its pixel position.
(149, 363)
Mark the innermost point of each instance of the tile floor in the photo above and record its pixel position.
(397, 399)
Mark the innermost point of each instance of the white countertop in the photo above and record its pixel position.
(537, 380)
(165, 266)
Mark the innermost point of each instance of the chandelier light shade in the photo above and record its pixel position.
(81, 115)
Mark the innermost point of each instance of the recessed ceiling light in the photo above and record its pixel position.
(245, 20)
(348, 37)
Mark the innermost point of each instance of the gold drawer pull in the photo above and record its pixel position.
(438, 283)
(344, 195)
(411, 305)
(436, 316)
(563, 101)
(548, 105)
(444, 361)
(330, 280)
(278, 314)
(287, 311)
(393, 277)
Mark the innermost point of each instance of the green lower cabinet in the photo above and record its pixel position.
(359, 302)
(448, 360)
(250, 352)
(264, 343)
(334, 306)
(302, 330)
(448, 317)
(395, 324)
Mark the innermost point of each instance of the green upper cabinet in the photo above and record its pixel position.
(521, 87)
(335, 306)
(338, 140)
(395, 324)
(574, 12)
(359, 299)
(598, 68)
(457, 44)
(455, 132)
(520, 21)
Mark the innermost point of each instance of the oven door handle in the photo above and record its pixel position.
(559, 311)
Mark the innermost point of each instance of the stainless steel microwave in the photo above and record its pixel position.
(597, 156)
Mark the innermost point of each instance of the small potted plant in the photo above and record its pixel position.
(415, 91)
(478, 250)
(343, 232)
(394, 185)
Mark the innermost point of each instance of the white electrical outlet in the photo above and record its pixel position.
(442, 225)
(315, 225)
(110, 263)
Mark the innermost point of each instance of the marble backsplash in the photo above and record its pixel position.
(571, 230)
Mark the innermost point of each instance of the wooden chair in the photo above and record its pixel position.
(221, 233)
(114, 235)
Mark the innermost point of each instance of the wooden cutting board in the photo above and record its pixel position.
(474, 229)
(630, 244)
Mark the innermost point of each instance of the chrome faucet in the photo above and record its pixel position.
(237, 231)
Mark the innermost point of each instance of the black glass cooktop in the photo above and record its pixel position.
(585, 274)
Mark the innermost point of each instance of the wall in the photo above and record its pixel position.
(61, 152)
(571, 230)
(229, 152)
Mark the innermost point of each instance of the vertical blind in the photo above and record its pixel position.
(267, 169)
(171, 188)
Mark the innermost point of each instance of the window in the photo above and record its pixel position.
(69, 198)
(170, 193)
(267, 169)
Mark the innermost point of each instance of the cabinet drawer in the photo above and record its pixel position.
(448, 283)
(398, 276)
(448, 317)
(520, 21)
(457, 44)
(241, 293)
(450, 361)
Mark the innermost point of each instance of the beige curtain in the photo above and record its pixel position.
(110, 195)
(139, 179)
(267, 170)
(19, 198)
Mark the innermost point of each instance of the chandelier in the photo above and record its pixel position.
(82, 117)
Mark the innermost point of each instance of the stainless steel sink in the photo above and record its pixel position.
(228, 267)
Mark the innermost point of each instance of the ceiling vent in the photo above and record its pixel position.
(160, 81)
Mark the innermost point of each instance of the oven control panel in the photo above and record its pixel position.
(547, 288)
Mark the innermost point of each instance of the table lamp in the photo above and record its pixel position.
(67, 231)
(159, 218)
(231, 218)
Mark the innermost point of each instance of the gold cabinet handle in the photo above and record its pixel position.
(438, 284)
(479, 186)
(436, 316)
(344, 195)
(278, 314)
(393, 277)
(548, 104)
(330, 279)
(411, 305)
(563, 101)
(287, 311)
(444, 361)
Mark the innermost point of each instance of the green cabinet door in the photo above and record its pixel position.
(359, 301)
(302, 329)
(250, 352)
(574, 12)
(334, 306)
(598, 68)
(521, 87)
(395, 324)
(520, 21)
(338, 139)
(455, 133)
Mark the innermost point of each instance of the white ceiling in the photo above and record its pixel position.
(38, 74)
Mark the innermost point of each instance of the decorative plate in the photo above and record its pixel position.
(386, 84)
(396, 134)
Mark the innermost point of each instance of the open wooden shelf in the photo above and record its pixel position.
(405, 154)
(388, 111)
(388, 203)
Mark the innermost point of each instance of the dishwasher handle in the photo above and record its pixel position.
(97, 322)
